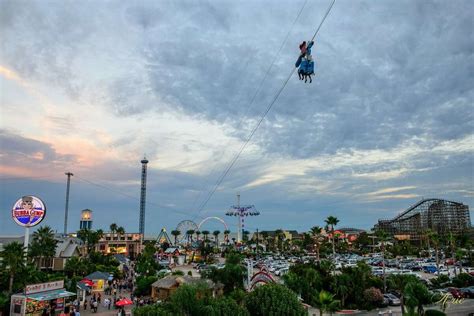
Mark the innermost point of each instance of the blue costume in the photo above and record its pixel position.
(305, 63)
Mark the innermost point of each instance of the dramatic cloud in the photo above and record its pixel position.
(91, 87)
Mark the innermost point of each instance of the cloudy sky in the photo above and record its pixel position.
(92, 86)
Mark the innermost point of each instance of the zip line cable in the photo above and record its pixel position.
(252, 100)
(128, 195)
(236, 157)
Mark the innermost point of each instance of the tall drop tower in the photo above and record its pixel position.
(141, 226)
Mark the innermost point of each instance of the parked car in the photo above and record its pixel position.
(455, 292)
(392, 299)
(468, 291)
(429, 269)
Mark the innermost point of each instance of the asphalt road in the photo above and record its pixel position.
(463, 309)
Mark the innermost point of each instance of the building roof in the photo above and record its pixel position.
(67, 248)
(171, 250)
(121, 258)
(98, 275)
(6, 240)
(172, 280)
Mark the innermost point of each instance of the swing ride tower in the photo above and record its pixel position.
(241, 211)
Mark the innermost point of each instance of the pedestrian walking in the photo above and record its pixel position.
(95, 306)
(85, 304)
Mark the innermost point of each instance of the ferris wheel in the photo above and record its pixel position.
(183, 227)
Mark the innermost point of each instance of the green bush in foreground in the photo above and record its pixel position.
(273, 299)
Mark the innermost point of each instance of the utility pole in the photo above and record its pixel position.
(239, 217)
(257, 243)
(69, 175)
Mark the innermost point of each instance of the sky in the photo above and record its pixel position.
(91, 87)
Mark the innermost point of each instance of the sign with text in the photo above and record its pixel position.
(43, 287)
(28, 211)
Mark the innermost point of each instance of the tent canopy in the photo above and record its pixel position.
(50, 295)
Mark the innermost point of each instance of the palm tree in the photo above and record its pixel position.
(205, 233)
(113, 228)
(325, 302)
(426, 235)
(434, 238)
(12, 261)
(280, 235)
(332, 221)
(417, 295)
(175, 233)
(198, 233)
(383, 237)
(316, 234)
(343, 286)
(190, 234)
(120, 231)
(452, 245)
(399, 283)
(245, 236)
(43, 245)
(226, 236)
(216, 237)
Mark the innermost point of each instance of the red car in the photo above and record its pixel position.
(455, 292)
(450, 262)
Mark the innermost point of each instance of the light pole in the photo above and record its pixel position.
(69, 175)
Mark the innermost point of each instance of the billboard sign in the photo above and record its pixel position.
(28, 211)
(43, 287)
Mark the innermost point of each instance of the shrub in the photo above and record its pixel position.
(373, 297)
(463, 280)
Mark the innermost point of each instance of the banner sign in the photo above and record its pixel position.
(43, 287)
(28, 211)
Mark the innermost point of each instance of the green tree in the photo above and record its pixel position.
(273, 299)
(398, 282)
(325, 302)
(143, 285)
(226, 236)
(451, 239)
(90, 238)
(189, 234)
(175, 233)
(146, 264)
(76, 266)
(43, 245)
(342, 286)
(417, 295)
(280, 235)
(231, 276)
(198, 233)
(435, 240)
(317, 238)
(216, 237)
(305, 280)
(383, 238)
(332, 221)
(205, 234)
(13, 261)
(120, 231)
(113, 228)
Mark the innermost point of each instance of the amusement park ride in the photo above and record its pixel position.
(241, 211)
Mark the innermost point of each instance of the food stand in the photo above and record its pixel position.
(37, 297)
